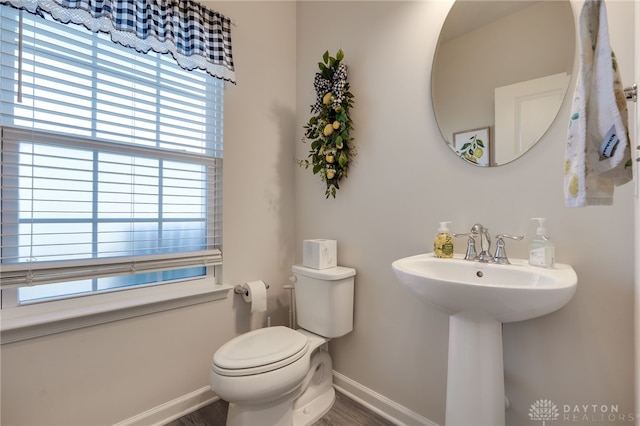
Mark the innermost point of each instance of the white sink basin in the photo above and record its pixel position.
(506, 293)
(479, 297)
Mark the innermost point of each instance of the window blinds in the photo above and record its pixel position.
(111, 161)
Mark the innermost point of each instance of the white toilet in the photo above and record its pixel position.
(280, 376)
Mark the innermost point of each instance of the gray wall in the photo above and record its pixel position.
(405, 180)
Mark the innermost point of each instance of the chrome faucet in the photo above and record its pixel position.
(485, 256)
(477, 231)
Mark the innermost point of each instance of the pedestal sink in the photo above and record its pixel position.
(479, 297)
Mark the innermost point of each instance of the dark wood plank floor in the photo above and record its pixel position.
(345, 412)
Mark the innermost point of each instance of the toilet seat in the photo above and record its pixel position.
(260, 351)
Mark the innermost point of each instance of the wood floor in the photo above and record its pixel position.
(345, 412)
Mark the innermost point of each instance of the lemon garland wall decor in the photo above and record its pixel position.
(329, 127)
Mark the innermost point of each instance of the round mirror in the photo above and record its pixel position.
(500, 73)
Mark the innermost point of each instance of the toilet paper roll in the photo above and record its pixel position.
(256, 294)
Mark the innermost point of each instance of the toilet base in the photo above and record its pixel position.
(276, 412)
(317, 395)
(301, 407)
(281, 412)
(315, 409)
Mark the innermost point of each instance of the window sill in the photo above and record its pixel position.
(42, 319)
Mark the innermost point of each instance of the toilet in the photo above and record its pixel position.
(281, 376)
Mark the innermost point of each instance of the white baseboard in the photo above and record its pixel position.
(377, 403)
(172, 410)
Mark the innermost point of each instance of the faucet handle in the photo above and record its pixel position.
(464, 234)
(513, 237)
(471, 253)
(501, 253)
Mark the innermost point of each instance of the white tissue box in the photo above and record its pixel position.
(320, 254)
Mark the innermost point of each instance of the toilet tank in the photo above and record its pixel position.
(324, 299)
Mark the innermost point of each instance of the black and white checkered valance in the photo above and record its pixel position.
(196, 36)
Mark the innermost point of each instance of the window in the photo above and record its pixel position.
(111, 164)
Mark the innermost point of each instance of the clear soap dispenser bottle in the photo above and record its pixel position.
(443, 243)
(541, 249)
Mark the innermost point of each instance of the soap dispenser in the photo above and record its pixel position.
(443, 243)
(541, 249)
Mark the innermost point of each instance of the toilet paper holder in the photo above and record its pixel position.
(239, 289)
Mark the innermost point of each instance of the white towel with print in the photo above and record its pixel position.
(598, 152)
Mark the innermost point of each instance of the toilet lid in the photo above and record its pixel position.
(260, 350)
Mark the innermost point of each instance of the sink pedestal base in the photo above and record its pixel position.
(475, 377)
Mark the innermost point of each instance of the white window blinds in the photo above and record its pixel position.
(111, 160)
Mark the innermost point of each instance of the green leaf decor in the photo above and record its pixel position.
(329, 128)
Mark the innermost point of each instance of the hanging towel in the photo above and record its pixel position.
(598, 151)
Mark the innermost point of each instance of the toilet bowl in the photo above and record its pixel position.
(280, 376)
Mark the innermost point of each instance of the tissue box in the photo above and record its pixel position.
(320, 254)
